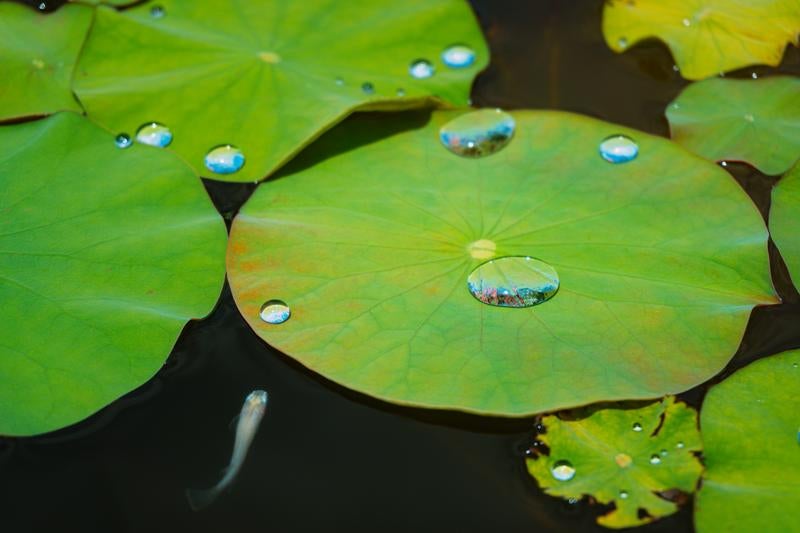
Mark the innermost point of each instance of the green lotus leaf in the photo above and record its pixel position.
(37, 55)
(268, 77)
(750, 426)
(105, 254)
(706, 37)
(784, 217)
(370, 243)
(631, 457)
(740, 120)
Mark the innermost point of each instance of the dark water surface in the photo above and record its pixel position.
(330, 459)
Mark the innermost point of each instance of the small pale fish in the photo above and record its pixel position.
(249, 420)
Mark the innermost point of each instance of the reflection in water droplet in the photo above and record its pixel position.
(623, 460)
(275, 312)
(123, 140)
(154, 134)
(458, 56)
(157, 12)
(679, 445)
(636, 426)
(339, 82)
(367, 88)
(655, 459)
(478, 133)
(623, 494)
(421, 69)
(401, 92)
(619, 149)
(622, 42)
(563, 471)
(224, 159)
(513, 281)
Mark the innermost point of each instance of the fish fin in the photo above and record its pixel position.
(201, 498)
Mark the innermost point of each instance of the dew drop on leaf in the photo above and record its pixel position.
(478, 133)
(513, 281)
(458, 56)
(154, 134)
(619, 149)
(563, 470)
(421, 69)
(224, 159)
(123, 140)
(275, 312)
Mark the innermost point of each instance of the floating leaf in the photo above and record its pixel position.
(371, 244)
(631, 457)
(105, 254)
(740, 120)
(709, 36)
(37, 55)
(268, 77)
(784, 217)
(751, 431)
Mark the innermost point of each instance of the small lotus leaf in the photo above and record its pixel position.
(631, 457)
(660, 262)
(105, 253)
(37, 56)
(268, 77)
(750, 425)
(706, 37)
(784, 220)
(740, 120)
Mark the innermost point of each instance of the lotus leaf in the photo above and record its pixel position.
(37, 55)
(784, 218)
(706, 37)
(740, 120)
(105, 253)
(632, 457)
(268, 77)
(370, 243)
(751, 425)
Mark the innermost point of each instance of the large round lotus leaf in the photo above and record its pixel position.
(740, 120)
(660, 261)
(631, 457)
(268, 77)
(37, 55)
(750, 425)
(784, 220)
(706, 36)
(104, 255)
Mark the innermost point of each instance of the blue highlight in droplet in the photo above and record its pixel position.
(619, 149)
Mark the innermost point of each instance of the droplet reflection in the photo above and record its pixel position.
(478, 133)
(275, 312)
(563, 470)
(514, 281)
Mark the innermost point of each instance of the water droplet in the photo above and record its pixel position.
(636, 426)
(224, 159)
(794, 365)
(401, 92)
(154, 134)
(269, 57)
(619, 149)
(724, 163)
(563, 470)
(275, 312)
(622, 42)
(679, 445)
(676, 68)
(754, 75)
(687, 22)
(339, 81)
(721, 74)
(623, 460)
(123, 140)
(421, 69)
(367, 88)
(664, 453)
(458, 56)
(42, 6)
(749, 117)
(37, 63)
(514, 281)
(676, 105)
(623, 494)
(655, 459)
(478, 133)
(157, 12)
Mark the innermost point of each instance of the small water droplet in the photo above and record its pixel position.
(623, 494)
(478, 133)
(676, 105)
(754, 75)
(224, 159)
(679, 445)
(42, 6)
(563, 470)
(339, 81)
(401, 92)
(794, 365)
(623, 460)
(622, 42)
(724, 163)
(123, 140)
(686, 22)
(619, 149)
(157, 12)
(664, 453)
(37, 63)
(275, 312)
(721, 74)
(514, 281)
(269, 57)
(458, 56)
(421, 69)
(367, 88)
(572, 501)
(655, 459)
(154, 134)
(636, 426)
(676, 68)
(749, 117)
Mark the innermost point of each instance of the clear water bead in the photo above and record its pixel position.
(636, 426)
(367, 88)
(157, 12)
(655, 459)
(514, 281)
(224, 159)
(421, 69)
(563, 470)
(275, 312)
(123, 140)
(619, 149)
(458, 56)
(623, 494)
(478, 133)
(154, 134)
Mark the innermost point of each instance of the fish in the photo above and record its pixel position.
(249, 420)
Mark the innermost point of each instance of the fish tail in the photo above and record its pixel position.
(200, 498)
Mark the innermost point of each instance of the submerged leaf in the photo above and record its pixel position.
(371, 241)
(751, 432)
(268, 77)
(740, 120)
(623, 455)
(105, 254)
(784, 220)
(706, 37)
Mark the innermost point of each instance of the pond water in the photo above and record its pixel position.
(330, 459)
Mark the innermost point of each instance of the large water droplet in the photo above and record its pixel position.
(154, 134)
(458, 56)
(225, 159)
(655, 459)
(421, 69)
(619, 149)
(367, 88)
(636, 426)
(514, 281)
(157, 12)
(123, 140)
(275, 312)
(563, 470)
(478, 133)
